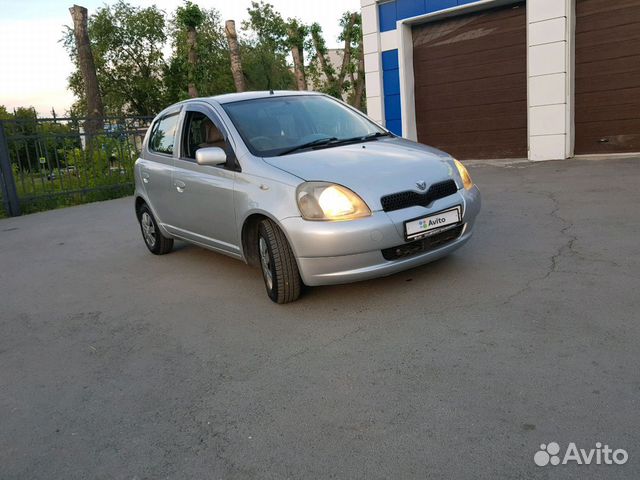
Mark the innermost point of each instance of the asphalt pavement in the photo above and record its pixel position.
(117, 364)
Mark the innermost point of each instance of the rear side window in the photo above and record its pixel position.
(163, 136)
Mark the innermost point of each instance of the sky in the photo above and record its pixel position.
(34, 66)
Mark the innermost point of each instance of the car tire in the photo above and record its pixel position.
(278, 264)
(157, 243)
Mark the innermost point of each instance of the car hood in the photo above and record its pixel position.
(371, 169)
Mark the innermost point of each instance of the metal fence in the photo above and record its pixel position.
(48, 163)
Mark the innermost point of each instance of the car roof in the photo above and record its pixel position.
(237, 97)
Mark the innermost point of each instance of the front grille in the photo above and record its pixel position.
(400, 200)
(422, 246)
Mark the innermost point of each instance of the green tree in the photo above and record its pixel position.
(21, 127)
(264, 52)
(212, 72)
(272, 39)
(87, 70)
(348, 77)
(127, 44)
(267, 25)
(190, 17)
(4, 114)
(30, 140)
(351, 23)
(296, 34)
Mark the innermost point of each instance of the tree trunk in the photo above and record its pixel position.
(95, 107)
(192, 60)
(234, 51)
(325, 66)
(346, 59)
(358, 84)
(298, 68)
(298, 59)
(358, 89)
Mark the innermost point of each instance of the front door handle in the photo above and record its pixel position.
(180, 186)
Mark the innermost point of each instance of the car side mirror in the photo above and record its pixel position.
(211, 156)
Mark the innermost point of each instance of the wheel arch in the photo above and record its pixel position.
(249, 231)
(140, 201)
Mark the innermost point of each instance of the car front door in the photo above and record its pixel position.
(204, 195)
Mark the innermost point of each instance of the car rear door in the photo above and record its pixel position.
(204, 195)
(156, 165)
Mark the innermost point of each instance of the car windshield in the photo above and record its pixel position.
(285, 124)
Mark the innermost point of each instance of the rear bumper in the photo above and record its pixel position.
(342, 252)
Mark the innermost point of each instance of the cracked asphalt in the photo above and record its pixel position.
(116, 364)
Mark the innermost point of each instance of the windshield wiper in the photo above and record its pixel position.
(334, 141)
(363, 138)
(376, 135)
(313, 143)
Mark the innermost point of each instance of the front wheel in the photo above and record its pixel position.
(279, 268)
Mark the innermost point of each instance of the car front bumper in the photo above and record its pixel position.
(342, 252)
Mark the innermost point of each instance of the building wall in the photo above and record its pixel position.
(550, 45)
(389, 69)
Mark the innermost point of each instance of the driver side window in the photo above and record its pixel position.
(201, 132)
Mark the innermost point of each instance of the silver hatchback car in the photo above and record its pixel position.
(302, 185)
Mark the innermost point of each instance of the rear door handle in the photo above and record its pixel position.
(180, 185)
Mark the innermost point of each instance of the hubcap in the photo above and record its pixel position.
(265, 261)
(148, 230)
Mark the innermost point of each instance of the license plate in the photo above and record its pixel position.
(432, 224)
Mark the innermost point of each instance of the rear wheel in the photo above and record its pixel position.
(279, 268)
(153, 238)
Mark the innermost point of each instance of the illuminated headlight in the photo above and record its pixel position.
(328, 201)
(464, 174)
